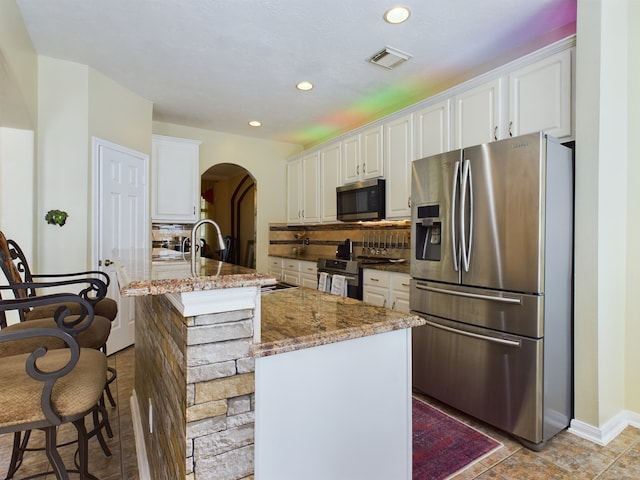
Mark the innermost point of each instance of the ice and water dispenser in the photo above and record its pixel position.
(428, 233)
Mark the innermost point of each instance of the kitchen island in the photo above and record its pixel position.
(291, 384)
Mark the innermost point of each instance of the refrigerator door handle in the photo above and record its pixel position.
(479, 296)
(454, 196)
(466, 181)
(501, 341)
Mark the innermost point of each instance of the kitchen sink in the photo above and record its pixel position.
(277, 286)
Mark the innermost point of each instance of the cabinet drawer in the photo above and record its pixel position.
(308, 268)
(400, 282)
(275, 263)
(291, 265)
(375, 277)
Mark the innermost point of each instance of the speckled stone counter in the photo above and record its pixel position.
(222, 348)
(155, 278)
(299, 318)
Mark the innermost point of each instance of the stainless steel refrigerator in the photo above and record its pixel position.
(491, 268)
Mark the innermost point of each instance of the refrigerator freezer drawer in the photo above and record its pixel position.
(515, 313)
(495, 378)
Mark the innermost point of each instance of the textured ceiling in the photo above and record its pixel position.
(216, 64)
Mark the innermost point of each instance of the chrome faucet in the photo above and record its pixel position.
(194, 242)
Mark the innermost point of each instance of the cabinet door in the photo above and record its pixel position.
(175, 185)
(308, 274)
(371, 153)
(294, 188)
(329, 180)
(291, 271)
(275, 267)
(477, 115)
(432, 129)
(540, 97)
(399, 291)
(398, 144)
(311, 188)
(351, 159)
(375, 295)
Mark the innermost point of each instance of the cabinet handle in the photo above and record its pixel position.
(495, 133)
(357, 169)
(393, 305)
(510, 133)
(364, 167)
(409, 201)
(373, 279)
(406, 284)
(194, 210)
(302, 213)
(384, 304)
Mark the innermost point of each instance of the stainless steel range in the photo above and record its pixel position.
(350, 269)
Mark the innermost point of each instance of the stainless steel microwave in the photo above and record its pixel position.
(361, 200)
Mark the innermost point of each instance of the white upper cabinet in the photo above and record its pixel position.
(362, 156)
(303, 189)
(432, 129)
(330, 178)
(175, 179)
(477, 114)
(371, 153)
(533, 98)
(540, 97)
(398, 144)
(294, 189)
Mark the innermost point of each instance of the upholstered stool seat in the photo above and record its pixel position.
(106, 307)
(93, 337)
(45, 388)
(73, 394)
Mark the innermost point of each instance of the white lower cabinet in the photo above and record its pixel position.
(275, 267)
(399, 291)
(308, 274)
(299, 272)
(291, 271)
(386, 289)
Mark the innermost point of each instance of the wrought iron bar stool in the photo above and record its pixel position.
(48, 379)
(17, 271)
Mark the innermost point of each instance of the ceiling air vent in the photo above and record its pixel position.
(389, 57)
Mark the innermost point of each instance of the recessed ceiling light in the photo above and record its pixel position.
(397, 15)
(255, 123)
(304, 85)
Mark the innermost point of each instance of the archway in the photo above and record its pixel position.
(228, 196)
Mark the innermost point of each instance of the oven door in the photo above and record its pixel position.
(354, 285)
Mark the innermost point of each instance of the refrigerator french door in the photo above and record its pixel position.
(491, 271)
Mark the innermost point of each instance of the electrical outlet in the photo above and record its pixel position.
(150, 417)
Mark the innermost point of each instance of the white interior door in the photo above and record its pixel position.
(121, 220)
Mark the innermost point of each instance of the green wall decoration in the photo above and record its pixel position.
(56, 217)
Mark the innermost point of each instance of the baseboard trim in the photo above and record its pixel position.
(608, 431)
(138, 434)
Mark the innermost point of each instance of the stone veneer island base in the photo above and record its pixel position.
(292, 384)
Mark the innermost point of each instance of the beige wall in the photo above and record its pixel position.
(75, 104)
(606, 203)
(632, 378)
(18, 70)
(265, 161)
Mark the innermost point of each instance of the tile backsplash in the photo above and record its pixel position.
(385, 238)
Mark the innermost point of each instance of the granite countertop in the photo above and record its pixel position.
(400, 267)
(138, 275)
(298, 318)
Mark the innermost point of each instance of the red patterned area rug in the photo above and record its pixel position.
(442, 446)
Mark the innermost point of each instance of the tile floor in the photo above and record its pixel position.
(565, 457)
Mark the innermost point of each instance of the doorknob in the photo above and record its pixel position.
(107, 262)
